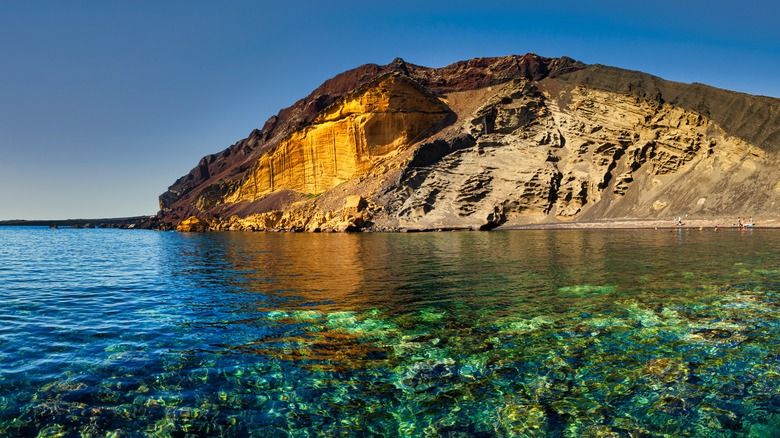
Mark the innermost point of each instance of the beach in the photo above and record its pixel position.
(630, 223)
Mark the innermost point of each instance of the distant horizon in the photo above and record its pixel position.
(107, 104)
(78, 219)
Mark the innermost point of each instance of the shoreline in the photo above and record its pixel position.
(602, 224)
(116, 222)
(643, 224)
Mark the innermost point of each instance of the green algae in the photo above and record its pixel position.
(431, 315)
(583, 290)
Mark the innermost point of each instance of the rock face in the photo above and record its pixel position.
(345, 140)
(490, 142)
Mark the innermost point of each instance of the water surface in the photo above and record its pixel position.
(524, 333)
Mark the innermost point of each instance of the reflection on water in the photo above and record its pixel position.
(533, 333)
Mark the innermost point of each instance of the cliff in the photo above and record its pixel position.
(345, 140)
(490, 142)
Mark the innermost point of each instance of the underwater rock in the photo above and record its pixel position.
(666, 370)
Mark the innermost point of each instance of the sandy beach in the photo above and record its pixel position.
(628, 223)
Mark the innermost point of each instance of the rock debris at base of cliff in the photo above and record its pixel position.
(486, 143)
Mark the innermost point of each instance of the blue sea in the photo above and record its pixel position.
(563, 333)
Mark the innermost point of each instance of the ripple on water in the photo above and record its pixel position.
(577, 333)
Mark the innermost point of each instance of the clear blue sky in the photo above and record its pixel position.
(103, 104)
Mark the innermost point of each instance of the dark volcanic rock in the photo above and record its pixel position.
(753, 118)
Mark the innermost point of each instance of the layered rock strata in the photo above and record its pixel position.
(345, 140)
(486, 143)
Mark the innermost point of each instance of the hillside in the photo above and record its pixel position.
(485, 143)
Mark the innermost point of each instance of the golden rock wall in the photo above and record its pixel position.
(346, 140)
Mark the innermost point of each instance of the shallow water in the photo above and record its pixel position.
(525, 333)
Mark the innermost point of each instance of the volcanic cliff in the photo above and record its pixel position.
(485, 143)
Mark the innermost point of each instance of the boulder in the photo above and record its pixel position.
(193, 224)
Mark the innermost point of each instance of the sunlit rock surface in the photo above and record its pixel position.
(193, 225)
(579, 153)
(346, 140)
(491, 142)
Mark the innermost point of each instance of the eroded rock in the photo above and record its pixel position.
(193, 224)
(489, 142)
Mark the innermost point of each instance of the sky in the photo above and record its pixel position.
(104, 104)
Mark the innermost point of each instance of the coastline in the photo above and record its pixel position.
(600, 224)
(627, 223)
(116, 222)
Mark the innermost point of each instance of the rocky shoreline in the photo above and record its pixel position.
(123, 222)
(358, 221)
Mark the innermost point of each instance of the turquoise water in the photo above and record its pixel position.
(526, 333)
